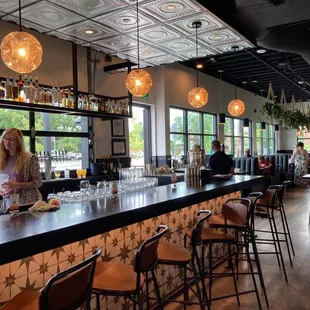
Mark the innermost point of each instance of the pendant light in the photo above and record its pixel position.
(139, 81)
(263, 126)
(221, 115)
(236, 107)
(276, 128)
(20, 50)
(198, 96)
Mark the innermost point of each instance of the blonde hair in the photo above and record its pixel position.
(20, 150)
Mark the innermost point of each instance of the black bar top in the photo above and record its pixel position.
(29, 233)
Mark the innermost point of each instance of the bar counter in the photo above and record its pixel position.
(34, 246)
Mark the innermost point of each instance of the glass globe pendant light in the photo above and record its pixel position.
(236, 107)
(21, 51)
(198, 96)
(139, 81)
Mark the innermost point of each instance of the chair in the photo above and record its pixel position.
(177, 255)
(58, 293)
(236, 214)
(116, 279)
(266, 206)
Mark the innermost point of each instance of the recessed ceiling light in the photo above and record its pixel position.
(261, 51)
(170, 7)
(199, 66)
(89, 31)
(300, 82)
(254, 81)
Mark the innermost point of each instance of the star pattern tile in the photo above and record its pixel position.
(119, 245)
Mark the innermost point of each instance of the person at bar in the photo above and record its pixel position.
(265, 168)
(219, 162)
(22, 168)
(247, 153)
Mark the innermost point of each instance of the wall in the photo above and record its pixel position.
(171, 84)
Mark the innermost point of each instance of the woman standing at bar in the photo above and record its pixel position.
(22, 168)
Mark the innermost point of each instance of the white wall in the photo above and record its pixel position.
(171, 84)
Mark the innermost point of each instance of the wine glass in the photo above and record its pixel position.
(84, 186)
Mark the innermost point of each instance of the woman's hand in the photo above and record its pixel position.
(10, 185)
(5, 192)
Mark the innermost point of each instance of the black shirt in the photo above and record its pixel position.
(220, 163)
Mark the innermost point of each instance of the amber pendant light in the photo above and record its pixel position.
(21, 51)
(236, 107)
(139, 81)
(198, 96)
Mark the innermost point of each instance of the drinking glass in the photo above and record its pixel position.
(79, 173)
(57, 174)
(84, 186)
(84, 171)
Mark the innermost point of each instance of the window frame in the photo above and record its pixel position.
(265, 139)
(187, 134)
(242, 137)
(46, 133)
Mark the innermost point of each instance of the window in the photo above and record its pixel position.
(265, 139)
(139, 135)
(236, 137)
(188, 128)
(65, 137)
(305, 138)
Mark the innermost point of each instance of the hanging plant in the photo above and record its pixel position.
(289, 118)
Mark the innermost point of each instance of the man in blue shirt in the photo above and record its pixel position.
(219, 162)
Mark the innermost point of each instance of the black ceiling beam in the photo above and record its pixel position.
(276, 70)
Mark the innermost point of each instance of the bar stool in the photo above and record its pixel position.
(176, 255)
(235, 213)
(246, 230)
(116, 279)
(58, 292)
(266, 206)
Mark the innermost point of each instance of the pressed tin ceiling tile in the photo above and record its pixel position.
(90, 8)
(124, 20)
(166, 32)
(165, 10)
(88, 31)
(156, 34)
(208, 21)
(49, 15)
(9, 6)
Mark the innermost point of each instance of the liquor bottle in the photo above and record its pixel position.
(84, 103)
(70, 101)
(54, 95)
(15, 90)
(110, 164)
(8, 89)
(31, 90)
(26, 89)
(63, 98)
(80, 102)
(126, 108)
(2, 91)
(21, 92)
(59, 96)
(48, 97)
(42, 99)
(36, 91)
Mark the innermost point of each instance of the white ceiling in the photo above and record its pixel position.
(166, 34)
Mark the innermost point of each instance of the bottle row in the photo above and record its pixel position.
(93, 103)
(28, 90)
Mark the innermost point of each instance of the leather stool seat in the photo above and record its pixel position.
(211, 234)
(115, 277)
(26, 300)
(219, 220)
(172, 253)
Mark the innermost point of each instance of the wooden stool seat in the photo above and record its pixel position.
(219, 220)
(172, 253)
(116, 278)
(26, 300)
(212, 235)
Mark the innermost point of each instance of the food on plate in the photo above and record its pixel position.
(44, 206)
(54, 202)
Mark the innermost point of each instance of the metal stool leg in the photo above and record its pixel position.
(285, 236)
(279, 244)
(157, 292)
(97, 302)
(147, 291)
(185, 289)
(253, 276)
(288, 230)
(273, 237)
(210, 270)
(233, 273)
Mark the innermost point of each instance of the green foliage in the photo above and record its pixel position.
(289, 118)
(59, 122)
(136, 140)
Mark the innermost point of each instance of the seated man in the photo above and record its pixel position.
(247, 153)
(219, 162)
